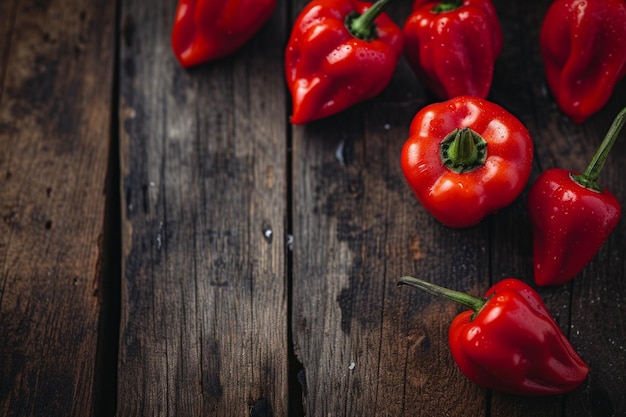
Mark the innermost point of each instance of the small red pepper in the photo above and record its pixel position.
(452, 45)
(583, 44)
(572, 216)
(340, 52)
(205, 30)
(466, 158)
(508, 341)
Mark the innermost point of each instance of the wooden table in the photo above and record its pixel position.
(171, 246)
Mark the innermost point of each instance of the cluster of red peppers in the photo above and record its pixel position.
(465, 157)
(342, 52)
(508, 340)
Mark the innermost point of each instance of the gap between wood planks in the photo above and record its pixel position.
(296, 376)
(109, 288)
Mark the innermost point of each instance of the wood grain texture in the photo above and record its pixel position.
(8, 10)
(203, 154)
(55, 123)
(368, 347)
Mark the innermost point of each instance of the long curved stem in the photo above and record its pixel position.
(589, 178)
(462, 298)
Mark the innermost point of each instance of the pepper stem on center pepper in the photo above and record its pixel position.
(458, 297)
(463, 150)
(362, 26)
(589, 178)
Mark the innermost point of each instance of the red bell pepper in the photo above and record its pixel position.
(508, 341)
(583, 44)
(452, 45)
(572, 216)
(205, 30)
(340, 52)
(465, 158)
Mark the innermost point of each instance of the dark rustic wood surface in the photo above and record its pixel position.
(56, 72)
(171, 245)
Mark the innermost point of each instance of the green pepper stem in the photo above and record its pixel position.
(362, 26)
(589, 178)
(447, 6)
(461, 298)
(463, 150)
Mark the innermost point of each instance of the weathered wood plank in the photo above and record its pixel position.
(368, 347)
(203, 154)
(55, 117)
(7, 23)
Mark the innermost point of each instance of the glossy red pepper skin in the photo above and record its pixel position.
(463, 199)
(509, 342)
(514, 345)
(206, 30)
(454, 52)
(570, 224)
(583, 48)
(572, 215)
(328, 69)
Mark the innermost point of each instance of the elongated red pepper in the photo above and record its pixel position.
(508, 341)
(452, 45)
(572, 216)
(340, 52)
(466, 158)
(583, 43)
(205, 30)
